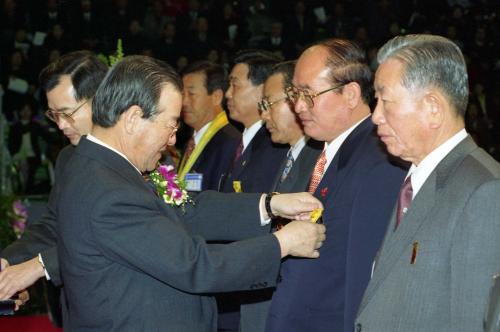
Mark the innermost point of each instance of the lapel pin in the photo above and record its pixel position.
(414, 253)
(324, 191)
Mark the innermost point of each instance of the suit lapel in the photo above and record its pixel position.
(396, 242)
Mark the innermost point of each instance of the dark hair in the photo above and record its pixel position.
(135, 80)
(84, 68)
(286, 69)
(259, 64)
(347, 63)
(215, 77)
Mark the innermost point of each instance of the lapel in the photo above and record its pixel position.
(395, 243)
(245, 158)
(298, 178)
(349, 152)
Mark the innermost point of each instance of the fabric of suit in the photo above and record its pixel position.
(492, 317)
(296, 181)
(216, 157)
(455, 221)
(40, 236)
(130, 262)
(358, 191)
(257, 166)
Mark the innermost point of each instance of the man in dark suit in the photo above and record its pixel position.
(293, 174)
(129, 261)
(285, 128)
(255, 161)
(353, 178)
(209, 152)
(69, 83)
(441, 249)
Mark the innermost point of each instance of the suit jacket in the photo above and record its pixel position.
(358, 191)
(257, 166)
(130, 262)
(217, 156)
(298, 178)
(455, 222)
(40, 237)
(255, 310)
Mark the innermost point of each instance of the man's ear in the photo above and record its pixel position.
(352, 94)
(436, 105)
(132, 119)
(217, 97)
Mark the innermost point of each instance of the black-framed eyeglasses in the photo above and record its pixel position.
(265, 105)
(293, 94)
(56, 115)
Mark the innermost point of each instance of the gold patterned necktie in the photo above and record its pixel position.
(317, 173)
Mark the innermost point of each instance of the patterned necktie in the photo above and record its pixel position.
(288, 166)
(317, 173)
(404, 200)
(238, 152)
(189, 149)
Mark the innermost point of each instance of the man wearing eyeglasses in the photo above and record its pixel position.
(331, 92)
(255, 161)
(69, 83)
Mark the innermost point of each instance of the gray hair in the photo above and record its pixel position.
(430, 61)
(135, 80)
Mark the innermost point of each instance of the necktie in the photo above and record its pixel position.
(288, 166)
(317, 173)
(238, 152)
(189, 149)
(404, 200)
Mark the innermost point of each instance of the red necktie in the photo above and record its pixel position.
(317, 173)
(238, 152)
(189, 149)
(404, 200)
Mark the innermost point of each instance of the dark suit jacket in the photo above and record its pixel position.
(358, 191)
(257, 166)
(130, 262)
(40, 236)
(455, 221)
(217, 156)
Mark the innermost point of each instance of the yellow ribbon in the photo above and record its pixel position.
(217, 123)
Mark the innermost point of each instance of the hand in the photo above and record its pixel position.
(18, 277)
(22, 298)
(294, 206)
(301, 239)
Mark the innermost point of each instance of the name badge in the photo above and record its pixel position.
(193, 181)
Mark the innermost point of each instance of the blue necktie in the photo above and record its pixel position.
(288, 166)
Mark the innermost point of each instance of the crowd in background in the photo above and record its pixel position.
(34, 33)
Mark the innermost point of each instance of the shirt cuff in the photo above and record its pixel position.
(262, 212)
(40, 259)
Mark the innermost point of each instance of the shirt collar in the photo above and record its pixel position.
(249, 133)
(333, 147)
(101, 143)
(420, 173)
(298, 146)
(197, 135)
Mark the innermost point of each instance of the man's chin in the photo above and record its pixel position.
(74, 139)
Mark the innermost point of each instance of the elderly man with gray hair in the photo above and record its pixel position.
(442, 245)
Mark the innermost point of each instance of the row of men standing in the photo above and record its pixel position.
(351, 173)
(434, 267)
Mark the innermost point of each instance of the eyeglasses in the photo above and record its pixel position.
(56, 115)
(174, 128)
(265, 105)
(293, 94)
